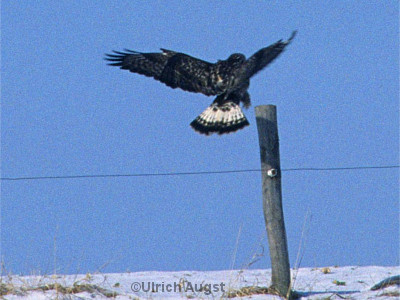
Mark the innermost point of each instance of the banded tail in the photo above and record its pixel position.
(220, 118)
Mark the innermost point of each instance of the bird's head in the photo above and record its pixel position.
(236, 58)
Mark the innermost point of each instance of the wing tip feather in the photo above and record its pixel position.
(292, 36)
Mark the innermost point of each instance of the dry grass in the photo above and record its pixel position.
(40, 283)
(390, 294)
(76, 288)
(257, 290)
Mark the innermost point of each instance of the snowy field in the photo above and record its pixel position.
(309, 283)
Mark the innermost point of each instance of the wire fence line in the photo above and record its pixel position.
(193, 173)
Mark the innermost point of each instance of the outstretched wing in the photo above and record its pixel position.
(189, 74)
(263, 57)
(176, 70)
(148, 64)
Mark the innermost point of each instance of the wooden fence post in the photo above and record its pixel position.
(267, 126)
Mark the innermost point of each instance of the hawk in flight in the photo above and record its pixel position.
(227, 79)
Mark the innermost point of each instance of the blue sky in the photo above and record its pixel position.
(65, 112)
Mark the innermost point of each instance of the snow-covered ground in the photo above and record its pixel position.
(310, 283)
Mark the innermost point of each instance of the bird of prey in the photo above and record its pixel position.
(227, 79)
